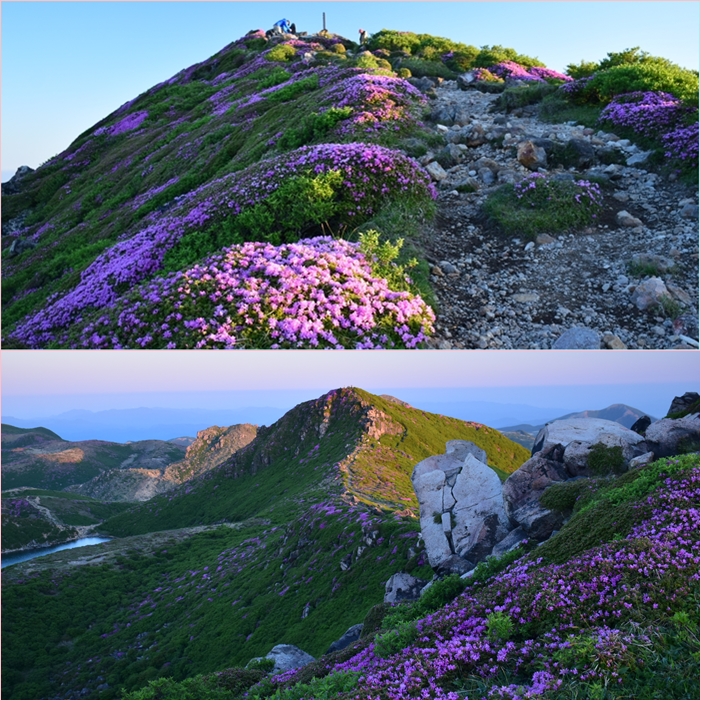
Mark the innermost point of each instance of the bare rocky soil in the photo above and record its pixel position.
(505, 292)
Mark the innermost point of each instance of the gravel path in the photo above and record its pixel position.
(504, 292)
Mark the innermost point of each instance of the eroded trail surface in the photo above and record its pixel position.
(507, 292)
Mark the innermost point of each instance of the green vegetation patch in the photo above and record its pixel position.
(544, 205)
(607, 510)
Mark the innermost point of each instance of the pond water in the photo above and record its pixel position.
(14, 558)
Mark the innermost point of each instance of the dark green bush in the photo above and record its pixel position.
(265, 664)
(289, 92)
(523, 95)
(420, 67)
(277, 76)
(542, 205)
(314, 126)
(605, 460)
(562, 496)
(648, 75)
(395, 640)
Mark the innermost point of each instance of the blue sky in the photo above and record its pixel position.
(38, 383)
(65, 66)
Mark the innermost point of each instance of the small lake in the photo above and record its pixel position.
(14, 558)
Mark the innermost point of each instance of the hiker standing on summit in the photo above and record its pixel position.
(363, 37)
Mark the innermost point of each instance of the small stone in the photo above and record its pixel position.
(690, 211)
(448, 268)
(529, 246)
(436, 171)
(624, 218)
(613, 342)
(526, 297)
(648, 293)
(578, 337)
(543, 239)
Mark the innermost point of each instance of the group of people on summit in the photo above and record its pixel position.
(284, 26)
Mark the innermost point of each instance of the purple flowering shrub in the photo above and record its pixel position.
(515, 71)
(129, 123)
(682, 144)
(317, 293)
(647, 113)
(661, 117)
(371, 176)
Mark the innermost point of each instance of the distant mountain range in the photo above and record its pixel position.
(128, 425)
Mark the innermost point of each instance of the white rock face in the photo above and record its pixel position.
(577, 435)
(461, 504)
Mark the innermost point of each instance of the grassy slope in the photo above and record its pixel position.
(30, 469)
(89, 200)
(31, 526)
(283, 467)
(649, 651)
(258, 579)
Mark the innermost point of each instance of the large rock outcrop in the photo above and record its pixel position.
(522, 492)
(578, 435)
(673, 436)
(461, 507)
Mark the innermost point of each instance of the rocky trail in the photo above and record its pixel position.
(569, 290)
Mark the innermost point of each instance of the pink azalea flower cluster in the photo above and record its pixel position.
(515, 71)
(129, 123)
(371, 175)
(649, 113)
(654, 569)
(317, 293)
(377, 100)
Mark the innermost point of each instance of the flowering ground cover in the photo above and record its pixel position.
(616, 620)
(186, 158)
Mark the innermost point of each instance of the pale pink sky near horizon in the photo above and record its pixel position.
(27, 373)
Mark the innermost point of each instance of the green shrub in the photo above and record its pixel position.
(441, 593)
(404, 72)
(523, 95)
(395, 640)
(367, 61)
(277, 76)
(605, 460)
(282, 52)
(490, 55)
(383, 259)
(265, 664)
(333, 686)
(313, 127)
(562, 496)
(420, 67)
(338, 48)
(583, 69)
(290, 92)
(499, 626)
(495, 564)
(649, 75)
(542, 205)
(299, 206)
